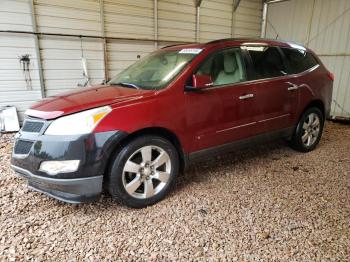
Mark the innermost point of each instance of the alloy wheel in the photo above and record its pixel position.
(146, 172)
(311, 129)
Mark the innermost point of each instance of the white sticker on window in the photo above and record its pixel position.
(256, 48)
(190, 51)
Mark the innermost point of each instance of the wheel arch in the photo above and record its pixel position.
(296, 137)
(159, 131)
(316, 103)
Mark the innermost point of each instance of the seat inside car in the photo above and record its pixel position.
(230, 69)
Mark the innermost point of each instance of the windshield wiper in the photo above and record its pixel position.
(125, 84)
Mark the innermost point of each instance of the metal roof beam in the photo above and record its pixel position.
(198, 3)
(274, 1)
(236, 4)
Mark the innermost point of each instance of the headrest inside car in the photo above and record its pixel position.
(230, 63)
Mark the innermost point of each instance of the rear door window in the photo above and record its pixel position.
(267, 62)
(298, 60)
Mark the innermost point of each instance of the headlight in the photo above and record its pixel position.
(78, 123)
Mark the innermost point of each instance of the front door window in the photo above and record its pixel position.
(225, 67)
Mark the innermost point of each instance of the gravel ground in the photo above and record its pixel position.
(268, 203)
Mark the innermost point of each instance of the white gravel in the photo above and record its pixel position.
(267, 203)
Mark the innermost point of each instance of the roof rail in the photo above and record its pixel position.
(247, 39)
(232, 39)
(171, 45)
(224, 40)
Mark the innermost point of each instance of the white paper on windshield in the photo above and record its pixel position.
(190, 51)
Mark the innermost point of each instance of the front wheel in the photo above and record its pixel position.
(143, 171)
(308, 132)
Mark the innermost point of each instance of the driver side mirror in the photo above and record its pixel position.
(200, 82)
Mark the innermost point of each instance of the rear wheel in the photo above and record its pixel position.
(143, 171)
(309, 130)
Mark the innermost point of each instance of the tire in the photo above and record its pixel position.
(145, 163)
(307, 135)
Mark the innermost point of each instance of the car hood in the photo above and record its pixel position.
(83, 99)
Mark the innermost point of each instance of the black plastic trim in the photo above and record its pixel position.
(93, 151)
(84, 185)
(239, 144)
(76, 190)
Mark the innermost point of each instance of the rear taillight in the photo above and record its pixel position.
(330, 76)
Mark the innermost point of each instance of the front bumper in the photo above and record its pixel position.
(83, 185)
(75, 190)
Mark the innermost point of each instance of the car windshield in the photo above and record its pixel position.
(156, 70)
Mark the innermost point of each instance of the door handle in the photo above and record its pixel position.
(247, 96)
(292, 86)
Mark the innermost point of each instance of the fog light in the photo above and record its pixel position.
(54, 167)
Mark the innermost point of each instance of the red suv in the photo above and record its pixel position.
(177, 105)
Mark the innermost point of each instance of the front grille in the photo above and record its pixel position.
(23, 147)
(32, 126)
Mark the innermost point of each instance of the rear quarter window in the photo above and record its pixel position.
(299, 60)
